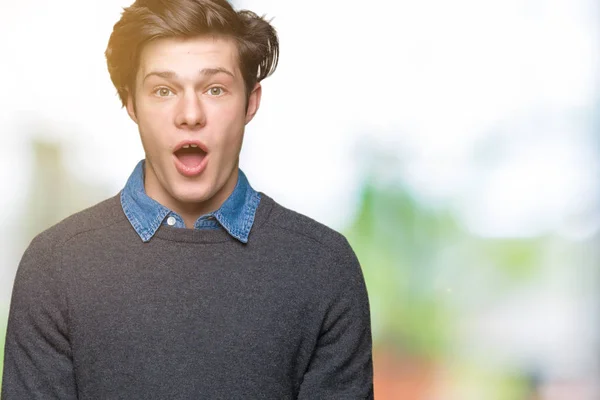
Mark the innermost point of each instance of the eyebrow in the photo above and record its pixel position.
(215, 71)
(205, 71)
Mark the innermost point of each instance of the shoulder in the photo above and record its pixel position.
(40, 266)
(96, 217)
(301, 228)
(319, 252)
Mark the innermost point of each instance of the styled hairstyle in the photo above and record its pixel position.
(147, 20)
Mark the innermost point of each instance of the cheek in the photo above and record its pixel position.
(232, 140)
(152, 142)
(153, 112)
(228, 126)
(152, 122)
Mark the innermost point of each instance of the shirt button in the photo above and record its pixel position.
(171, 221)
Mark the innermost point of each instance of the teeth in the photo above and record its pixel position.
(186, 146)
(194, 145)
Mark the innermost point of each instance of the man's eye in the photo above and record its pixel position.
(163, 92)
(216, 91)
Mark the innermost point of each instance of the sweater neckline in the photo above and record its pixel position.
(166, 232)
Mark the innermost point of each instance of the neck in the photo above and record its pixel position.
(191, 211)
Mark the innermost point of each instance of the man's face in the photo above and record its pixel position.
(190, 107)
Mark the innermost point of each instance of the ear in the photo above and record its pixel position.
(253, 102)
(131, 107)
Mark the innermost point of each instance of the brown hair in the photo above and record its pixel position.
(146, 20)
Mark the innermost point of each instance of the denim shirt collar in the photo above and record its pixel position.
(146, 215)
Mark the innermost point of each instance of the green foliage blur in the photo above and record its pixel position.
(425, 273)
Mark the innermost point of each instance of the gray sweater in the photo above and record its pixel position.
(192, 314)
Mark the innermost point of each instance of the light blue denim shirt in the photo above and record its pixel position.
(146, 215)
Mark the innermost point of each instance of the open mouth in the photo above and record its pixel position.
(190, 155)
(190, 159)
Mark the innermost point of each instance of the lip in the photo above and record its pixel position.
(198, 143)
(185, 170)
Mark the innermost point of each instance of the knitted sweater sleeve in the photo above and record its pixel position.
(341, 365)
(38, 360)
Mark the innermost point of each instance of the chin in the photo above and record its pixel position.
(193, 196)
(192, 193)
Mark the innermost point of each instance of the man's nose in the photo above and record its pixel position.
(190, 112)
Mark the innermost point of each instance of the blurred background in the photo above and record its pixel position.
(455, 144)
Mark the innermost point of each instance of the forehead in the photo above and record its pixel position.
(187, 56)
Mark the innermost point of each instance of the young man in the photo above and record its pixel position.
(189, 284)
